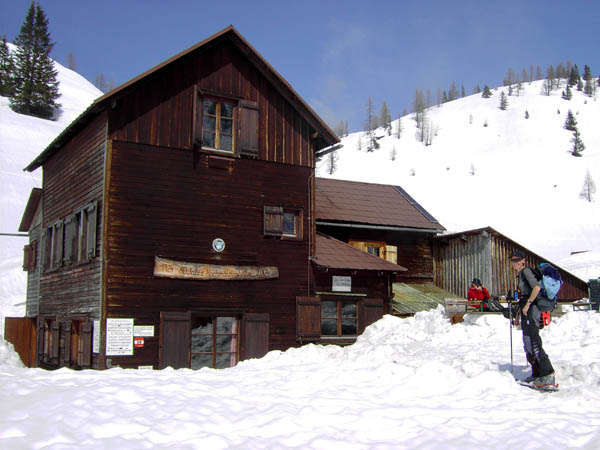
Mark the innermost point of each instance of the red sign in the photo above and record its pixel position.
(138, 342)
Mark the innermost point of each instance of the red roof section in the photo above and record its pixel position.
(368, 203)
(339, 255)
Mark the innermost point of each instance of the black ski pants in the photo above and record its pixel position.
(532, 343)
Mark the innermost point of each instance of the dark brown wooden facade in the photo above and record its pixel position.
(484, 253)
(132, 180)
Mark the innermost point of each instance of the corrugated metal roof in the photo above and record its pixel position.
(336, 254)
(368, 203)
(411, 298)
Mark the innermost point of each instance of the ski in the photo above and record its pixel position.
(540, 387)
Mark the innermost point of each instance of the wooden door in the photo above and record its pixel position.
(175, 339)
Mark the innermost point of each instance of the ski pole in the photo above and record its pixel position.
(510, 320)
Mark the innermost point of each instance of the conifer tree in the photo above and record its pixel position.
(570, 122)
(574, 77)
(386, 118)
(578, 145)
(503, 101)
(7, 69)
(36, 83)
(567, 94)
(486, 92)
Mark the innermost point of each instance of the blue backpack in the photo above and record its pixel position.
(550, 280)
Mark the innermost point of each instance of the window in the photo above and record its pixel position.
(218, 125)
(71, 240)
(283, 222)
(379, 249)
(214, 342)
(339, 318)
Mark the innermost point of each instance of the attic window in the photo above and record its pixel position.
(217, 128)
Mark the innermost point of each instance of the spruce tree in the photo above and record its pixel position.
(567, 94)
(486, 92)
(386, 118)
(570, 122)
(578, 145)
(36, 84)
(7, 69)
(503, 101)
(574, 77)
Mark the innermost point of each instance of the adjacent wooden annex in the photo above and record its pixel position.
(483, 253)
(177, 217)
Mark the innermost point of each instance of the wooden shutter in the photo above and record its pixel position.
(249, 128)
(69, 233)
(85, 345)
(57, 242)
(372, 311)
(27, 258)
(92, 213)
(65, 344)
(308, 318)
(391, 253)
(47, 248)
(273, 220)
(54, 341)
(175, 339)
(255, 335)
(42, 354)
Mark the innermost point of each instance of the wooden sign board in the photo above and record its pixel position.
(176, 269)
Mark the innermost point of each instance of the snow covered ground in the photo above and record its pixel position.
(406, 383)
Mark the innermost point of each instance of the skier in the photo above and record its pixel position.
(542, 372)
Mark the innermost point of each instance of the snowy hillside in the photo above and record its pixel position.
(515, 174)
(22, 138)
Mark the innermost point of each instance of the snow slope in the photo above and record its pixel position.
(405, 384)
(22, 138)
(525, 184)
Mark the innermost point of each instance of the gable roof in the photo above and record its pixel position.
(326, 136)
(335, 254)
(30, 209)
(377, 205)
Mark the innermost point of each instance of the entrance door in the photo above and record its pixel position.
(174, 350)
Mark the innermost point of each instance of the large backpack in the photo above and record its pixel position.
(550, 280)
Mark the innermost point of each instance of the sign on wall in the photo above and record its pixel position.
(119, 337)
(177, 269)
(341, 284)
(96, 337)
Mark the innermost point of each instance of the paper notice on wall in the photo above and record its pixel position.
(119, 337)
(96, 337)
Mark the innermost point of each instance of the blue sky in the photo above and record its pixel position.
(336, 54)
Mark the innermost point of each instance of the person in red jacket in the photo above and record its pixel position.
(478, 292)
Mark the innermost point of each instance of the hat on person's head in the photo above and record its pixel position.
(517, 255)
(476, 281)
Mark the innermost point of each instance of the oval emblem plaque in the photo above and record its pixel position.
(218, 245)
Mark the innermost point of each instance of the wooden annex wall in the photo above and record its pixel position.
(484, 254)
